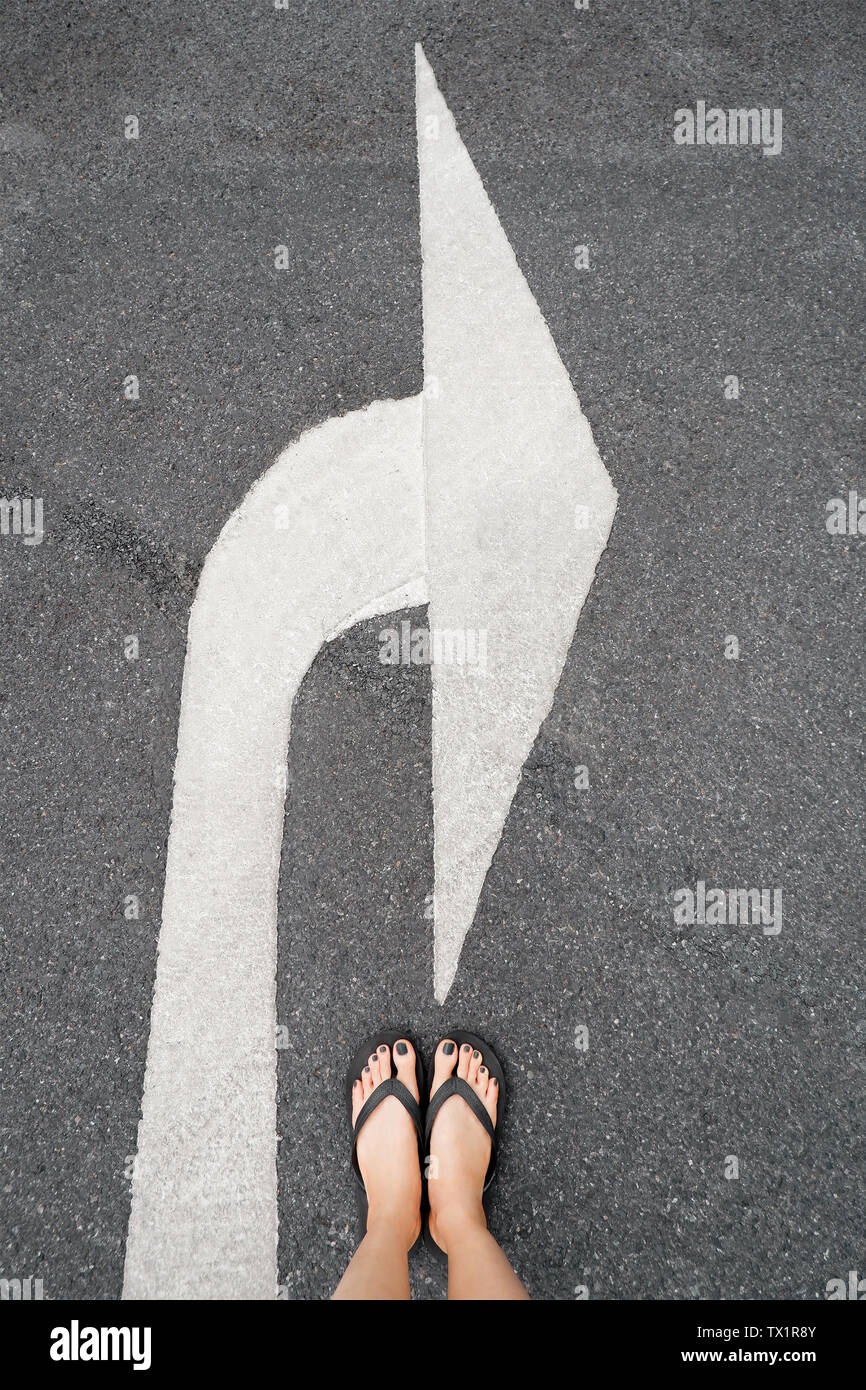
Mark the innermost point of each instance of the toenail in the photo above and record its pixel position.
(366, 1069)
(466, 1047)
(476, 1054)
(447, 1048)
(383, 1049)
(402, 1049)
(483, 1071)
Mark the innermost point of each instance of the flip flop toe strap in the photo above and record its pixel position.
(456, 1086)
(391, 1087)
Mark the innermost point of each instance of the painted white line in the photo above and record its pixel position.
(508, 456)
(468, 501)
(204, 1205)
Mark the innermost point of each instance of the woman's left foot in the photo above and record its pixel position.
(459, 1145)
(388, 1144)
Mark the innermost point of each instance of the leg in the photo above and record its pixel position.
(379, 1268)
(388, 1159)
(477, 1268)
(460, 1153)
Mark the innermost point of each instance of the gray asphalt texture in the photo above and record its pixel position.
(155, 257)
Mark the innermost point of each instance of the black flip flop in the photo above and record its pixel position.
(456, 1086)
(392, 1087)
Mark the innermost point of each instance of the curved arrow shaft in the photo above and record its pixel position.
(204, 1216)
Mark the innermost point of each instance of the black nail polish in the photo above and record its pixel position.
(366, 1069)
(448, 1048)
(383, 1049)
(476, 1054)
(402, 1049)
(466, 1047)
(483, 1071)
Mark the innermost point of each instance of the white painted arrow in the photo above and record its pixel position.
(508, 459)
(469, 497)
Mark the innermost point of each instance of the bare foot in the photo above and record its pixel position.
(388, 1145)
(459, 1145)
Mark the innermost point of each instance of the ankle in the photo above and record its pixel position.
(457, 1221)
(393, 1223)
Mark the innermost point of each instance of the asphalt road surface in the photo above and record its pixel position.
(644, 1053)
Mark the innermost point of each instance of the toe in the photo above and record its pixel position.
(465, 1059)
(367, 1080)
(384, 1062)
(404, 1061)
(481, 1080)
(373, 1064)
(491, 1097)
(474, 1064)
(357, 1099)
(443, 1066)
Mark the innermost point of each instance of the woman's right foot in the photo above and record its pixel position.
(459, 1144)
(388, 1144)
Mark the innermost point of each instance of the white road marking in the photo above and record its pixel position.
(466, 497)
(508, 456)
(204, 1204)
